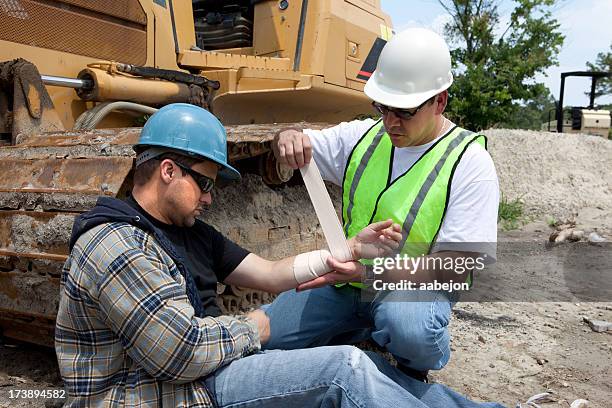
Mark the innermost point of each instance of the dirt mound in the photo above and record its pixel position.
(554, 174)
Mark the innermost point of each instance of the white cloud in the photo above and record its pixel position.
(440, 22)
(436, 25)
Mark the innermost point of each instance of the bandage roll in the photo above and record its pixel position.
(328, 219)
(310, 265)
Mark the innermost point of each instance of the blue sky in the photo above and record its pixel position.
(587, 25)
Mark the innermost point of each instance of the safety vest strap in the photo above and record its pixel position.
(372, 153)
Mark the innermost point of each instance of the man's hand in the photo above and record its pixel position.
(351, 271)
(263, 324)
(292, 148)
(376, 240)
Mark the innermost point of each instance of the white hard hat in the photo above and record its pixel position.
(413, 66)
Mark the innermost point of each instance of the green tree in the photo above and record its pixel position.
(602, 63)
(533, 113)
(495, 66)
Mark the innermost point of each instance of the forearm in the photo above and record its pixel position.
(260, 274)
(281, 276)
(278, 276)
(303, 268)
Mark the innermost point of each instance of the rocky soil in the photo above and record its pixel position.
(502, 351)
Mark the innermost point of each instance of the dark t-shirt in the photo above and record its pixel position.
(208, 255)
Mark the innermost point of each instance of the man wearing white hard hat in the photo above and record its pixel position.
(420, 169)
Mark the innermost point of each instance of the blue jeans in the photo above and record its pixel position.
(339, 376)
(415, 332)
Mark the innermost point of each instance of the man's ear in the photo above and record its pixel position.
(442, 100)
(167, 171)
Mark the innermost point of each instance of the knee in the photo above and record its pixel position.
(422, 339)
(343, 357)
(347, 354)
(410, 323)
(424, 348)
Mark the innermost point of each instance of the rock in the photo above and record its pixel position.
(577, 235)
(481, 339)
(537, 399)
(4, 380)
(564, 384)
(541, 361)
(598, 326)
(560, 236)
(580, 403)
(596, 238)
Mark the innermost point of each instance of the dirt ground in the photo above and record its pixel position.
(510, 351)
(502, 351)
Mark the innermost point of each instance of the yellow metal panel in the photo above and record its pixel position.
(185, 27)
(165, 50)
(370, 6)
(320, 102)
(275, 30)
(72, 29)
(362, 28)
(334, 58)
(212, 60)
(250, 80)
(316, 43)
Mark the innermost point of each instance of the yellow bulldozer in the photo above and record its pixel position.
(80, 77)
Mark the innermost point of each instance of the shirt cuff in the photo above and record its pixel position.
(487, 249)
(252, 334)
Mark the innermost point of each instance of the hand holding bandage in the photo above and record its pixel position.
(318, 268)
(376, 240)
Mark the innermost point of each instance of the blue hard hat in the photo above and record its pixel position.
(189, 130)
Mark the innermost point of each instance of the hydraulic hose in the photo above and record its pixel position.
(90, 119)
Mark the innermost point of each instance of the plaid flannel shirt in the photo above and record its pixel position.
(126, 334)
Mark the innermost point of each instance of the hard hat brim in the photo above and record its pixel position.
(226, 172)
(398, 100)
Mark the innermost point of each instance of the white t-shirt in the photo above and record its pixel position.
(471, 215)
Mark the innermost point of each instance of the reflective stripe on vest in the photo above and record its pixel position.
(416, 200)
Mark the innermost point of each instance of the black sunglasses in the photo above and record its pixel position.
(205, 183)
(405, 114)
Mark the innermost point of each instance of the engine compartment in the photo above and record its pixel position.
(224, 24)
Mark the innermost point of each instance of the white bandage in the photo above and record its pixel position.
(332, 229)
(310, 265)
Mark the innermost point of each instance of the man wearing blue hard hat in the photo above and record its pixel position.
(134, 329)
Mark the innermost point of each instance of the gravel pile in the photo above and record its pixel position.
(553, 174)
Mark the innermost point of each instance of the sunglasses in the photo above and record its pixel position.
(205, 183)
(405, 114)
